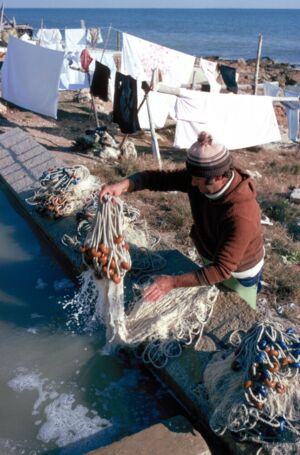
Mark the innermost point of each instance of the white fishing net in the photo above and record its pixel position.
(254, 392)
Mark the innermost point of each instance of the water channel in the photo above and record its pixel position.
(59, 395)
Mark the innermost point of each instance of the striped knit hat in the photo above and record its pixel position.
(207, 159)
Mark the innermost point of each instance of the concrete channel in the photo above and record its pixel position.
(22, 161)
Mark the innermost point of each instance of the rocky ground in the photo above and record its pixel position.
(275, 168)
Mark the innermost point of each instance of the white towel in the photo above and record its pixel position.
(160, 105)
(30, 77)
(293, 110)
(236, 121)
(140, 57)
(271, 88)
(75, 39)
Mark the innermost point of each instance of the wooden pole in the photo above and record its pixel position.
(259, 47)
(93, 102)
(118, 41)
(2, 17)
(82, 23)
(155, 146)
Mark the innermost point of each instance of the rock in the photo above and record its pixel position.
(109, 153)
(83, 96)
(295, 196)
(129, 151)
(3, 109)
(174, 436)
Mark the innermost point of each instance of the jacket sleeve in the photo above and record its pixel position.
(177, 180)
(236, 239)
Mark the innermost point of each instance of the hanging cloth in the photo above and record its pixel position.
(229, 77)
(85, 60)
(100, 81)
(125, 104)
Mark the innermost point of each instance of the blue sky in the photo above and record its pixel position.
(284, 4)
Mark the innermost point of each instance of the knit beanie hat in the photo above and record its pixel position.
(207, 159)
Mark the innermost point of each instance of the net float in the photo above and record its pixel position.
(126, 246)
(280, 388)
(94, 252)
(103, 248)
(83, 249)
(119, 239)
(284, 361)
(259, 405)
(274, 353)
(104, 269)
(116, 278)
(273, 368)
(113, 264)
(111, 272)
(103, 260)
(271, 384)
(248, 384)
(125, 265)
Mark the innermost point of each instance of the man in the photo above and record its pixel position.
(226, 226)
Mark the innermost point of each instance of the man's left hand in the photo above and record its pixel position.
(161, 286)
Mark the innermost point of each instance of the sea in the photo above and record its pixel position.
(226, 33)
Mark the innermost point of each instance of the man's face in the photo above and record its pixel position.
(209, 185)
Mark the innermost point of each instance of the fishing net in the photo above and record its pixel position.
(162, 326)
(254, 392)
(64, 190)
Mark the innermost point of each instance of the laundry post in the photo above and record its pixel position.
(155, 146)
(259, 47)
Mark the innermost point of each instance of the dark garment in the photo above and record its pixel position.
(229, 77)
(100, 80)
(125, 104)
(226, 231)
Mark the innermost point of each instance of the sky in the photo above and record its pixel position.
(283, 4)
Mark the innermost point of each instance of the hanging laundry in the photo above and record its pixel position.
(30, 77)
(293, 110)
(107, 59)
(237, 121)
(75, 39)
(85, 60)
(210, 70)
(50, 38)
(161, 105)
(94, 36)
(125, 104)
(100, 81)
(140, 57)
(72, 77)
(271, 88)
(229, 77)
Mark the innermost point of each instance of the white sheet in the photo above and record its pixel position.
(236, 121)
(30, 77)
(72, 79)
(75, 39)
(50, 38)
(140, 57)
(160, 105)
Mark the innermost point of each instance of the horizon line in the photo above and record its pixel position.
(132, 7)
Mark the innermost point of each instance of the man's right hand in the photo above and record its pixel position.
(115, 189)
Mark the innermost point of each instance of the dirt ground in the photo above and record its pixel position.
(275, 169)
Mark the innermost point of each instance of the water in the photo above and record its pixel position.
(58, 394)
(228, 33)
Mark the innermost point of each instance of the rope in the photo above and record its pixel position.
(255, 391)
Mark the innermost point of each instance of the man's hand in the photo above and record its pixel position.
(116, 189)
(161, 286)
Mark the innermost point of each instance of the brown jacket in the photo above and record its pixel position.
(226, 231)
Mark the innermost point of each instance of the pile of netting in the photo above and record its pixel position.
(162, 326)
(254, 392)
(63, 191)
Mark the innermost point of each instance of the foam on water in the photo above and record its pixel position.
(66, 424)
(61, 421)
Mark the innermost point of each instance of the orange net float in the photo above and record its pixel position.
(116, 278)
(118, 240)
